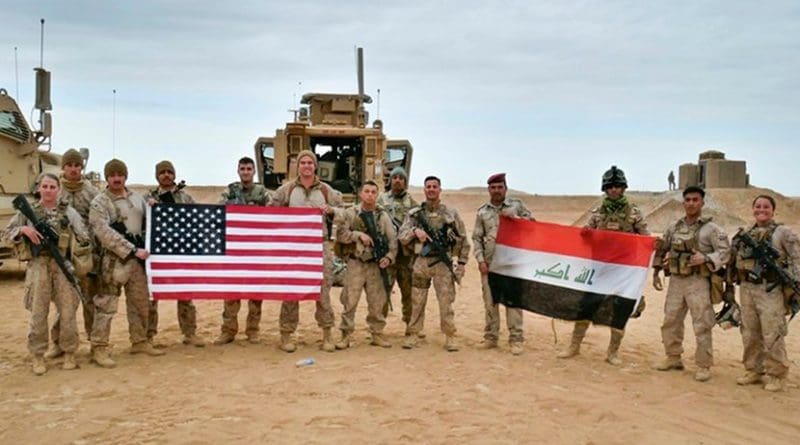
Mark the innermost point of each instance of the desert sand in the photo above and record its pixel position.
(244, 393)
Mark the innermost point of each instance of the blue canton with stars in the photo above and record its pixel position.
(187, 229)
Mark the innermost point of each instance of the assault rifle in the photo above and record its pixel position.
(136, 240)
(169, 197)
(380, 248)
(49, 241)
(766, 259)
(437, 245)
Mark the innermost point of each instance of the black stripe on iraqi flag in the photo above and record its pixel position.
(560, 302)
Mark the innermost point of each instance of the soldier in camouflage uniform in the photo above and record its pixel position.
(695, 249)
(434, 261)
(363, 269)
(483, 237)
(44, 280)
(117, 218)
(764, 325)
(397, 202)
(244, 192)
(615, 214)
(308, 191)
(187, 312)
(78, 192)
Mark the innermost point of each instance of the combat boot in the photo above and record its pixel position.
(101, 356)
(702, 374)
(409, 341)
(194, 340)
(613, 347)
(254, 338)
(749, 378)
(773, 384)
(224, 338)
(379, 340)
(344, 343)
(670, 363)
(145, 347)
(327, 340)
(287, 345)
(39, 368)
(450, 344)
(574, 347)
(516, 348)
(487, 344)
(54, 351)
(69, 362)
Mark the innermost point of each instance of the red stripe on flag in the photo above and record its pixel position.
(600, 245)
(274, 253)
(258, 210)
(235, 266)
(314, 239)
(234, 296)
(238, 280)
(272, 225)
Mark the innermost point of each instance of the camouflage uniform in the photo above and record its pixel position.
(764, 323)
(187, 312)
(363, 272)
(484, 237)
(294, 194)
(44, 280)
(690, 287)
(257, 195)
(429, 269)
(119, 267)
(398, 206)
(619, 216)
(79, 195)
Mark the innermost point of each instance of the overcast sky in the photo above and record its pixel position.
(553, 93)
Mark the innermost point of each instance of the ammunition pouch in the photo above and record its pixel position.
(110, 280)
(679, 265)
(22, 250)
(82, 258)
(717, 288)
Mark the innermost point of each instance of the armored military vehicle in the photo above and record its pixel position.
(336, 128)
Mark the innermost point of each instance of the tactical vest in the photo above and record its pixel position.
(745, 260)
(619, 221)
(443, 230)
(349, 250)
(58, 222)
(684, 243)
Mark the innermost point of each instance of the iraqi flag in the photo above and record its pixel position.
(559, 272)
(200, 251)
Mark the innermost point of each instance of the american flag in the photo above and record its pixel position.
(200, 251)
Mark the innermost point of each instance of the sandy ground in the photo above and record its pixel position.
(254, 393)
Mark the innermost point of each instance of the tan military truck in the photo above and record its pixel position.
(335, 127)
(24, 152)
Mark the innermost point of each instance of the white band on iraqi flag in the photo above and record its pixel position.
(570, 273)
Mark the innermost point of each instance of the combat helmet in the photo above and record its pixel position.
(613, 176)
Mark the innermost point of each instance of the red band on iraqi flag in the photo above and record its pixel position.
(234, 252)
(568, 273)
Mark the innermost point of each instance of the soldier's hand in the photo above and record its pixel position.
(151, 201)
(657, 281)
(421, 235)
(384, 263)
(141, 254)
(697, 259)
(365, 239)
(586, 231)
(483, 266)
(32, 234)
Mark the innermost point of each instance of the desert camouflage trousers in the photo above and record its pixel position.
(44, 282)
(691, 293)
(230, 317)
(491, 330)
(763, 330)
(363, 276)
(445, 288)
(187, 318)
(89, 286)
(400, 272)
(137, 305)
(290, 310)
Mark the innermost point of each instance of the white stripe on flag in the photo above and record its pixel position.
(204, 259)
(272, 217)
(306, 247)
(234, 273)
(273, 232)
(252, 288)
(570, 272)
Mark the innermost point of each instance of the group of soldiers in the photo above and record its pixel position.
(385, 239)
